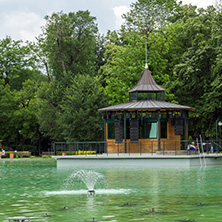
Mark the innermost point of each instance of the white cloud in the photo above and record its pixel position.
(118, 12)
(199, 3)
(22, 25)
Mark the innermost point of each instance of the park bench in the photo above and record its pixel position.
(47, 153)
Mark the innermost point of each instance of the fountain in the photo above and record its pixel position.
(89, 177)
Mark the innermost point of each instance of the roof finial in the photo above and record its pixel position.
(146, 65)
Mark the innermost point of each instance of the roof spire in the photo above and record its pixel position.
(146, 65)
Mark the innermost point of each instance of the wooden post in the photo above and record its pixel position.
(104, 135)
(185, 129)
(54, 146)
(125, 131)
(159, 130)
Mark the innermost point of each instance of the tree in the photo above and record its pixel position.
(80, 118)
(213, 97)
(20, 79)
(49, 97)
(8, 105)
(125, 62)
(74, 53)
(69, 42)
(152, 15)
(195, 75)
(147, 21)
(75, 116)
(16, 63)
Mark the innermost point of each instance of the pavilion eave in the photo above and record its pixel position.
(146, 105)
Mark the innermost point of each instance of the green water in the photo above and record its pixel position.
(175, 194)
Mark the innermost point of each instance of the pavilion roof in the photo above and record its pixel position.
(146, 105)
(147, 84)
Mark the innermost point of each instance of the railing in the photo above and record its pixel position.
(172, 147)
(79, 148)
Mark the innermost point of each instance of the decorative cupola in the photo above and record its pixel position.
(146, 89)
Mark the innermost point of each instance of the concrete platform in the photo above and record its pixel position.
(136, 159)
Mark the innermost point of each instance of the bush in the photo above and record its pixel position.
(34, 157)
(46, 157)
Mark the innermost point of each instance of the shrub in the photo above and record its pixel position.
(46, 157)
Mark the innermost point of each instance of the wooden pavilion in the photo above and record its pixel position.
(147, 123)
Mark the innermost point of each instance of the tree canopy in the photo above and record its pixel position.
(51, 90)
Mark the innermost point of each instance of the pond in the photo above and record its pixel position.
(38, 189)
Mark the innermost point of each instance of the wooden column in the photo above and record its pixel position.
(185, 129)
(105, 139)
(159, 130)
(124, 130)
(185, 125)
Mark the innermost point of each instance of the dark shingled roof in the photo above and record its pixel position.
(146, 105)
(147, 84)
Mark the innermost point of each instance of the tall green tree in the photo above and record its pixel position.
(147, 21)
(19, 77)
(194, 76)
(75, 116)
(147, 16)
(8, 122)
(81, 119)
(74, 53)
(69, 43)
(213, 96)
(16, 62)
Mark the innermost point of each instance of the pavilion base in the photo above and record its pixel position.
(134, 160)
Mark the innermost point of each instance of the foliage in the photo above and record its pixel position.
(125, 61)
(75, 115)
(19, 81)
(69, 42)
(52, 90)
(147, 16)
(68, 103)
(197, 73)
(46, 157)
(16, 63)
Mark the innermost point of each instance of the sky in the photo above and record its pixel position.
(23, 19)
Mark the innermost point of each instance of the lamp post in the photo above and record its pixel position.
(218, 123)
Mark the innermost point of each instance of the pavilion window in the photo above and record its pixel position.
(134, 130)
(132, 96)
(118, 123)
(127, 129)
(136, 96)
(111, 129)
(163, 129)
(147, 96)
(150, 130)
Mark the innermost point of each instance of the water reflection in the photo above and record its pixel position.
(36, 189)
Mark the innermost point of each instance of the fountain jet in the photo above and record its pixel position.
(89, 178)
(91, 192)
